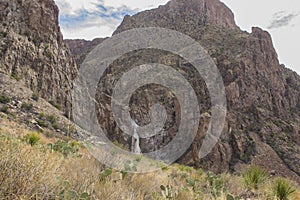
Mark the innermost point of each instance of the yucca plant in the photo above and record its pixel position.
(32, 138)
(283, 189)
(254, 177)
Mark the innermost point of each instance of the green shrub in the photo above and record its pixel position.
(231, 197)
(254, 177)
(164, 168)
(4, 99)
(41, 115)
(42, 123)
(26, 107)
(35, 96)
(283, 189)
(68, 193)
(27, 34)
(4, 33)
(32, 138)
(15, 76)
(105, 173)
(4, 109)
(55, 126)
(66, 148)
(51, 118)
(185, 168)
(215, 184)
(167, 191)
(56, 105)
(36, 41)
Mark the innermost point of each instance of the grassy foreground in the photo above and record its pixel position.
(35, 167)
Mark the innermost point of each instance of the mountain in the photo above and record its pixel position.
(33, 50)
(263, 120)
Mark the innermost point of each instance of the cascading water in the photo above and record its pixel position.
(136, 144)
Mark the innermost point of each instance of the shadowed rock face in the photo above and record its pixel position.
(80, 48)
(263, 121)
(32, 49)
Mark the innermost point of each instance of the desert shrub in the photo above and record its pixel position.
(254, 177)
(35, 96)
(68, 192)
(4, 33)
(66, 148)
(27, 33)
(283, 189)
(56, 105)
(215, 184)
(36, 40)
(47, 120)
(231, 197)
(26, 107)
(55, 126)
(4, 109)
(104, 174)
(51, 118)
(168, 191)
(185, 168)
(4, 99)
(42, 123)
(15, 76)
(32, 138)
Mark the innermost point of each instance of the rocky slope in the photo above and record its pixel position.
(32, 49)
(263, 121)
(80, 48)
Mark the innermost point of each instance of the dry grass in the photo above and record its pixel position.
(35, 172)
(26, 172)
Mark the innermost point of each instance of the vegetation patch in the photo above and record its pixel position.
(254, 177)
(27, 107)
(283, 189)
(4, 99)
(32, 138)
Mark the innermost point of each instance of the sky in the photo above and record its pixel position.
(89, 19)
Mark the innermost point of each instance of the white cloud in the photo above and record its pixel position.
(90, 19)
(282, 19)
(72, 6)
(135, 4)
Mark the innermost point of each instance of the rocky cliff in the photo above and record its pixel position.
(32, 49)
(80, 48)
(263, 120)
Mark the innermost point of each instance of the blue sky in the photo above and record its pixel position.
(89, 19)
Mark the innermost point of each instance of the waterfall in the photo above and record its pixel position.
(136, 144)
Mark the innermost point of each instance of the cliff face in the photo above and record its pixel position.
(80, 48)
(32, 49)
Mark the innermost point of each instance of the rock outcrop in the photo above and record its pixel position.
(80, 48)
(182, 16)
(32, 49)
